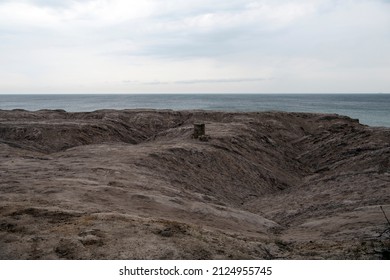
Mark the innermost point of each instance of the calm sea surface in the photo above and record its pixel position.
(371, 109)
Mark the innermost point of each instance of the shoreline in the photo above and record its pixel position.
(370, 109)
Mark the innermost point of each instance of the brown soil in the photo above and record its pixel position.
(134, 184)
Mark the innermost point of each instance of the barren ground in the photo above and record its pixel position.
(134, 184)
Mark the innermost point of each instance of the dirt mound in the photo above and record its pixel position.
(53, 131)
(134, 184)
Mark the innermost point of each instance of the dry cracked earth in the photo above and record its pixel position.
(135, 184)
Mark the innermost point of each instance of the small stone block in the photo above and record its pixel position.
(199, 130)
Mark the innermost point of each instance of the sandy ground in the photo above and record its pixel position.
(134, 184)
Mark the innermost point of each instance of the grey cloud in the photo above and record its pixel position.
(47, 3)
(137, 82)
(200, 81)
(218, 40)
(215, 43)
(337, 39)
(207, 81)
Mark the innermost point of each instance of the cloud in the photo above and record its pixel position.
(305, 45)
(211, 32)
(223, 81)
(200, 81)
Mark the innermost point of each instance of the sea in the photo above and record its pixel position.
(370, 109)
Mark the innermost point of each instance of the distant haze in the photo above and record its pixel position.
(194, 46)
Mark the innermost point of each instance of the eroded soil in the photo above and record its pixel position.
(134, 184)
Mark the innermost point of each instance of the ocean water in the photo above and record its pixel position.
(370, 109)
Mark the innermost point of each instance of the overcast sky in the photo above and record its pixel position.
(194, 46)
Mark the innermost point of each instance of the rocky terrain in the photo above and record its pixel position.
(135, 184)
